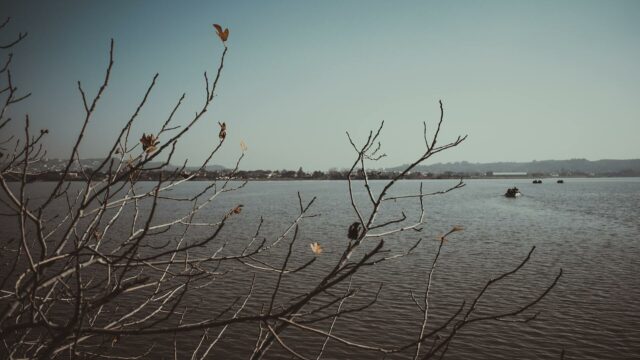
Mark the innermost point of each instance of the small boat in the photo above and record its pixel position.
(560, 181)
(537, 181)
(512, 192)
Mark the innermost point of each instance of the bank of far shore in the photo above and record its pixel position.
(297, 176)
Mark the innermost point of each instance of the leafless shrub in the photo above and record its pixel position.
(79, 282)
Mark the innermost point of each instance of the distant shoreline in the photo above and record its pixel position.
(553, 179)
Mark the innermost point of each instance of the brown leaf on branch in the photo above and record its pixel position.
(316, 248)
(354, 230)
(132, 167)
(130, 162)
(455, 228)
(236, 210)
(223, 130)
(223, 34)
(149, 143)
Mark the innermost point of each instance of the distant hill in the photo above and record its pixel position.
(545, 166)
(572, 166)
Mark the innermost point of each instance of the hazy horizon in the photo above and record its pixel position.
(525, 80)
(343, 168)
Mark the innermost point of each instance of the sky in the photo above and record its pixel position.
(525, 80)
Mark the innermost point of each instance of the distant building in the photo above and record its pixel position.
(510, 173)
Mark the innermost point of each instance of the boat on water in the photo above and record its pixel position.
(537, 181)
(513, 192)
(560, 181)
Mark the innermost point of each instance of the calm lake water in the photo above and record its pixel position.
(588, 227)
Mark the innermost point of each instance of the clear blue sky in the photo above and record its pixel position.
(526, 80)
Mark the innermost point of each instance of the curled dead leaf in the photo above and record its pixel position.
(130, 162)
(243, 146)
(236, 210)
(316, 248)
(354, 230)
(149, 143)
(133, 175)
(223, 130)
(222, 34)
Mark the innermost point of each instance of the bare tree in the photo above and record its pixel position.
(93, 263)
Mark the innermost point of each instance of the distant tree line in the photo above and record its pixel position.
(300, 174)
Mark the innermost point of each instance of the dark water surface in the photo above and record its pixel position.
(588, 227)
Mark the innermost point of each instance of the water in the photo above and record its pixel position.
(588, 227)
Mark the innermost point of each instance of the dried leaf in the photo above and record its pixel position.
(149, 143)
(223, 130)
(243, 146)
(354, 230)
(237, 210)
(316, 248)
(457, 228)
(130, 162)
(222, 34)
(133, 175)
